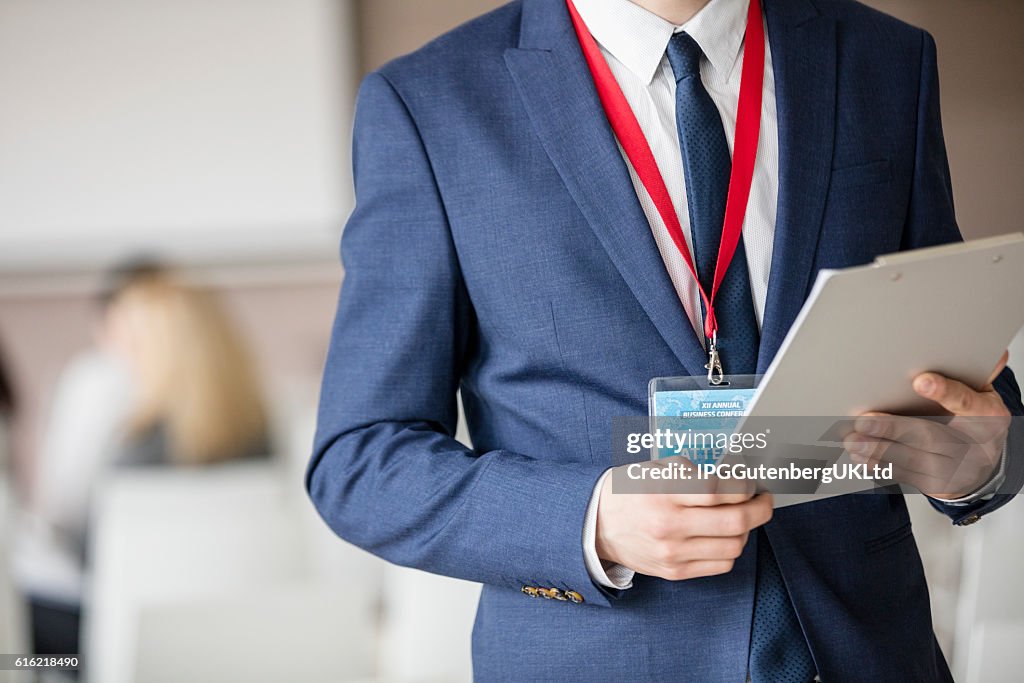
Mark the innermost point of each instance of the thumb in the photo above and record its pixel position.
(1000, 366)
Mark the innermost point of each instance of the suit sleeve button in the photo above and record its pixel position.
(972, 519)
(532, 591)
(551, 593)
(573, 596)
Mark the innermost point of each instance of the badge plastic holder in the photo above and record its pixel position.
(695, 404)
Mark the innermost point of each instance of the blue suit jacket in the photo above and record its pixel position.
(497, 246)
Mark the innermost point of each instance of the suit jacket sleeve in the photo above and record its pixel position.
(931, 220)
(386, 473)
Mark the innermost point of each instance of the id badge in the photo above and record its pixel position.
(696, 417)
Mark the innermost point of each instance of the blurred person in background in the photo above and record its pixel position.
(91, 402)
(169, 382)
(11, 621)
(198, 398)
(7, 407)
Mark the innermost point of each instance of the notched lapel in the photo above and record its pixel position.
(803, 44)
(558, 93)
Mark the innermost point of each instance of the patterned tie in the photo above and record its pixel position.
(778, 650)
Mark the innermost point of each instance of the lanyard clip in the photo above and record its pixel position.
(714, 367)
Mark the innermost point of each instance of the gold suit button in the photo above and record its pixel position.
(573, 596)
(532, 591)
(551, 594)
(973, 519)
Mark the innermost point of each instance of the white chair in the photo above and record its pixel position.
(428, 624)
(193, 550)
(297, 632)
(330, 557)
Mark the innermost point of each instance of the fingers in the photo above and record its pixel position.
(909, 466)
(737, 486)
(675, 527)
(931, 473)
(956, 397)
(981, 416)
(696, 569)
(697, 491)
(873, 430)
(660, 483)
(709, 500)
(872, 451)
(920, 433)
(653, 535)
(708, 548)
(927, 444)
(711, 539)
(727, 520)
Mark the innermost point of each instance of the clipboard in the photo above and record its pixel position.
(865, 332)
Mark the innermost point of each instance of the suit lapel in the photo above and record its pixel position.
(558, 92)
(803, 47)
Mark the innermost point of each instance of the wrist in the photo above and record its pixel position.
(985, 489)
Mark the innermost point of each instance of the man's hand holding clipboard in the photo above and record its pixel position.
(945, 461)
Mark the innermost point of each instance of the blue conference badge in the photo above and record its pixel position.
(702, 421)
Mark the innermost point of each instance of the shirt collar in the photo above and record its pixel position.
(638, 39)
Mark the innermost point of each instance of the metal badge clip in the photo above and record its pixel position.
(714, 367)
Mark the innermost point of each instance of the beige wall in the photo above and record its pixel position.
(981, 57)
(981, 62)
(389, 28)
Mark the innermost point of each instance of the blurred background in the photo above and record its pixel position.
(174, 178)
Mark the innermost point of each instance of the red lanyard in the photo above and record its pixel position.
(638, 151)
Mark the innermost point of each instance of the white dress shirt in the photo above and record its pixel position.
(633, 41)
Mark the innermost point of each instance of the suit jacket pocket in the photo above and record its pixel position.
(889, 539)
(859, 175)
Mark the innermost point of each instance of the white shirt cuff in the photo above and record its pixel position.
(608, 574)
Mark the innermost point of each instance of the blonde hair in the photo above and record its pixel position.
(195, 376)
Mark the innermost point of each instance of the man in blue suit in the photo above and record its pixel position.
(503, 245)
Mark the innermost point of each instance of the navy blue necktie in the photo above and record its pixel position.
(778, 650)
(708, 164)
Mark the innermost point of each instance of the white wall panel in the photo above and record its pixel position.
(204, 129)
